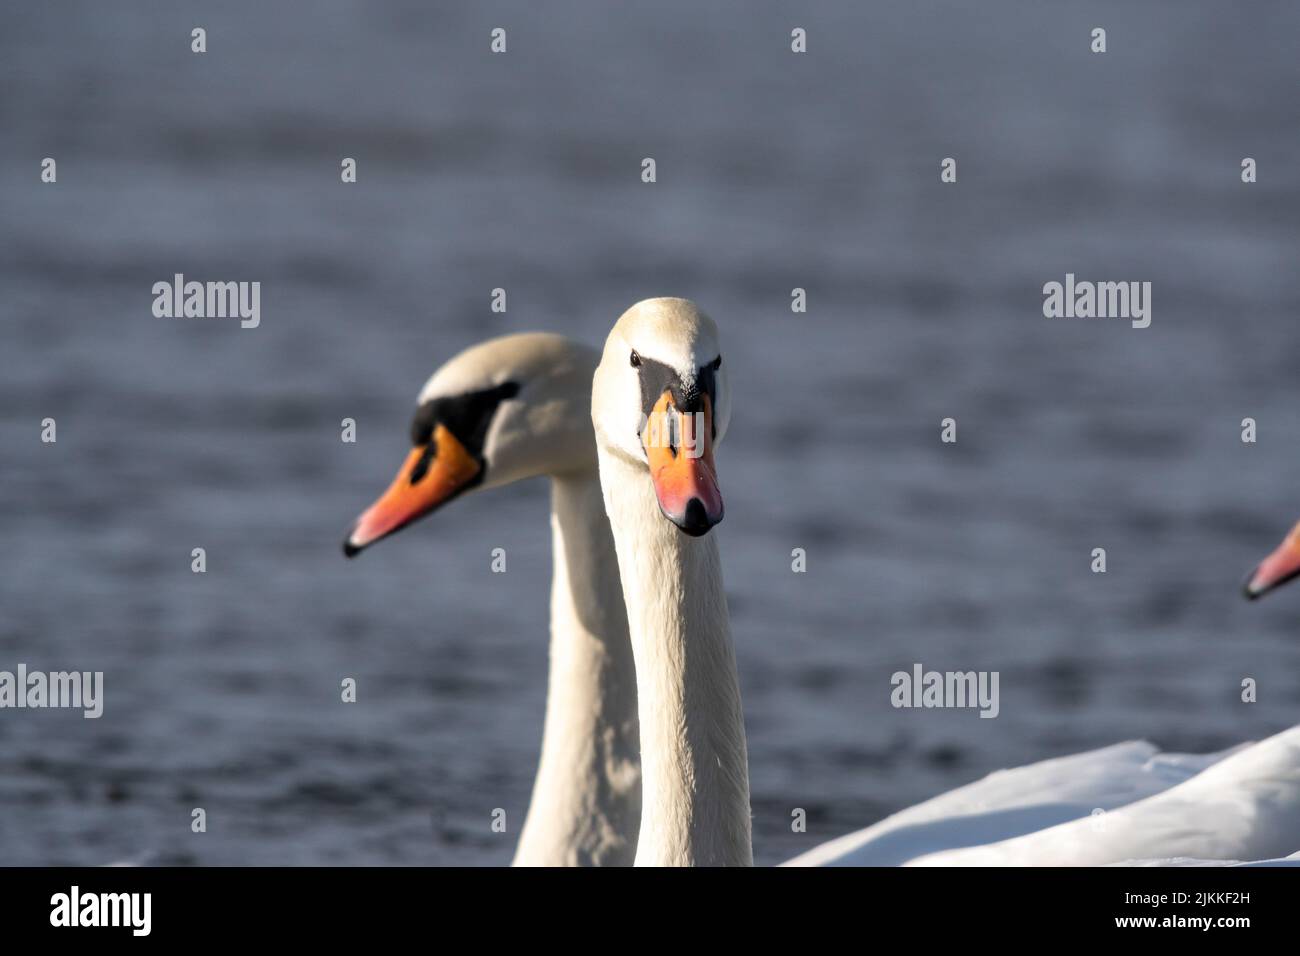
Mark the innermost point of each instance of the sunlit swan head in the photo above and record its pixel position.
(1278, 568)
(509, 408)
(660, 398)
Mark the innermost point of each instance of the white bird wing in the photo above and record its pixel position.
(1292, 860)
(1243, 807)
(1008, 803)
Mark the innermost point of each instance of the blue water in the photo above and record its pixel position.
(523, 171)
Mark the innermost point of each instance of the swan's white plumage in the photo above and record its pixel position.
(1245, 806)
(694, 767)
(1009, 803)
(1292, 860)
(586, 803)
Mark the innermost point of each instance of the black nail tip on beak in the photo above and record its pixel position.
(696, 521)
(1254, 595)
(351, 550)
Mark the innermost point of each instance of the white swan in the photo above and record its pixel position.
(1244, 807)
(660, 404)
(1010, 803)
(504, 410)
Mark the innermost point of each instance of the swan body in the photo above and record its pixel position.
(1292, 860)
(1009, 803)
(1245, 806)
(508, 409)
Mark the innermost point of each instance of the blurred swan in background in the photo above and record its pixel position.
(1276, 569)
(507, 409)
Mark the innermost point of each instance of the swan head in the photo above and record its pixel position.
(506, 409)
(1278, 568)
(660, 398)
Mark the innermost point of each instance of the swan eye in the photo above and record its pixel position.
(636, 359)
(717, 363)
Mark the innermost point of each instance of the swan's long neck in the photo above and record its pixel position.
(695, 772)
(586, 801)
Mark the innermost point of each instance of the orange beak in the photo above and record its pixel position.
(1278, 568)
(679, 449)
(431, 475)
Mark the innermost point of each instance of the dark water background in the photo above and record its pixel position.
(522, 171)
